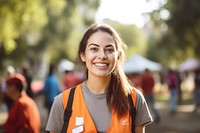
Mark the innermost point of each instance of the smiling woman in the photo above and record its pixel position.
(101, 104)
(100, 55)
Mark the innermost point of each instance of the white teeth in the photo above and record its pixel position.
(100, 64)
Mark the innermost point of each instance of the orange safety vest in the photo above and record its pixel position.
(81, 120)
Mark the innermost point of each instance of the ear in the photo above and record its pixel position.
(82, 55)
(119, 55)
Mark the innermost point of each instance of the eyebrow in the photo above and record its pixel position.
(109, 45)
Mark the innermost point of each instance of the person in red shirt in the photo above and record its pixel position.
(24, 115)
(70, 79)
(147, 85)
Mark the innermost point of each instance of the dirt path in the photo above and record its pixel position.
(183, 121)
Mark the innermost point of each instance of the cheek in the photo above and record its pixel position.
(8, 91)
(113, 59)
(89, 57)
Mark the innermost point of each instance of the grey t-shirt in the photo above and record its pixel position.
(97, 106)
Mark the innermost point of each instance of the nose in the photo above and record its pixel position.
(102, 54)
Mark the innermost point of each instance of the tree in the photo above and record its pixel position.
(63, 32)
(185, 24)
(132, 37)
(21, 23)
(181, 39)
(30, 28)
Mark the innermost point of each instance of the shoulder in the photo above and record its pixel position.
(136, 93)
(58, 97)
(25, 99)
(26, 102)
(58, 101)
(66, 93)
(137, 96)
(143, 115)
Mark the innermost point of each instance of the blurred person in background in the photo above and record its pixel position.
(136, 80)
(28, 78)
(51, 87)
(173, 86)
(10, 71)
(197, 89)
(70, 79)
(24, 115)
(180, 80)
(147, 85)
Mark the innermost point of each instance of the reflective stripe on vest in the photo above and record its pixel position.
(81, 120)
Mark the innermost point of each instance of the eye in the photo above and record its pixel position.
(109, 50)
(94, 49)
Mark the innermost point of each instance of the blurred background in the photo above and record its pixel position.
(160, 35)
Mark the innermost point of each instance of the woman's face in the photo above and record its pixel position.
(100, 54)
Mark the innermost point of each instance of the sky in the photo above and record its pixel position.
(126, 11)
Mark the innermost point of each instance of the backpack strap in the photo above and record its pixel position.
(132, 110)
(68, 110)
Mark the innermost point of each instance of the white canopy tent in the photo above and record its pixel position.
(188, 65)
(137, 64)
(65, 64)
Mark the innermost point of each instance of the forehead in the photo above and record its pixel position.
(101, 38)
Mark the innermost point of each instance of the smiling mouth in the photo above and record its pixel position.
(101, 64)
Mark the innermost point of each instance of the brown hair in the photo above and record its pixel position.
(119, 85)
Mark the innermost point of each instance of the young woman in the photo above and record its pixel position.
(100, 103)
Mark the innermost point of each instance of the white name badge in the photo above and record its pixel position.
(78, 129)
(79, 121)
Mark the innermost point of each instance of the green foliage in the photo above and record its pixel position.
(18, 18)
(132, 37)
(185, 22)
(181, 40)
(63, 33)
(30, 27)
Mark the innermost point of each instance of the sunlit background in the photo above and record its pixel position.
(161, 33)
(127, 11)
(34, 32)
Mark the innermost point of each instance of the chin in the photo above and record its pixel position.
(103, 75)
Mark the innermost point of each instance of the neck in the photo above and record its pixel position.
(98, 85)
